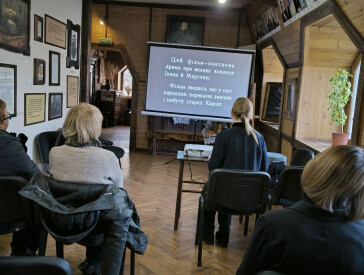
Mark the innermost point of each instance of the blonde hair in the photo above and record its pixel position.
(83, 123)
(243, 109)
(2, 110)
(335, 179)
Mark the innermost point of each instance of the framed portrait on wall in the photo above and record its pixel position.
(15, 26)
(54, 68)
(55, 105)
(8, 86)
(73, 58)
(185, 30)
(55, 32)
(38, 28)
(34, 108)
(39, 72)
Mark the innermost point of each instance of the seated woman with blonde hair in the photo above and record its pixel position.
(323, 233)
(82, 160)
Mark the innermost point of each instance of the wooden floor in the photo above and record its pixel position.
(152, 185)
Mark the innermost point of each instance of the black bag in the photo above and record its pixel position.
(274, 170)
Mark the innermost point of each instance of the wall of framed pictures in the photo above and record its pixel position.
(26, 73)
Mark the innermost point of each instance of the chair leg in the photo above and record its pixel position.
(202, 207)
(59, 249)
(198, 223)
(122, 263)
(246, 224)
(132, 262)
(241, 218)
(256, 217)
(42, 242)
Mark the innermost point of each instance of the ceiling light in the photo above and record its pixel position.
(222, 1)
(102, 22)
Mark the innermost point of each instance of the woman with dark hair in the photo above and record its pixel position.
(239, 147)
(323, 233)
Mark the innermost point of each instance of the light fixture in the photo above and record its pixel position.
(102, 22)
(222, 1)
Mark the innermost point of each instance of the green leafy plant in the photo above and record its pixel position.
(339, 93)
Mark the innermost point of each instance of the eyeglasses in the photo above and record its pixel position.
(9, 117)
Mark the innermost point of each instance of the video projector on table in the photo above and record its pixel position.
(198, 150)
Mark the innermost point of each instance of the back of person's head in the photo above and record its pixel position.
(83, 123)
(2, 110)
(335, 179)
(243, 109)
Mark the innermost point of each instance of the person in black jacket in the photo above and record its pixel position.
(239, 147)
(14, 161)
(323, 233)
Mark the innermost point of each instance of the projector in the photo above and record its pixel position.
(198, 150)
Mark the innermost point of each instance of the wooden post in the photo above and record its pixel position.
(86, 50)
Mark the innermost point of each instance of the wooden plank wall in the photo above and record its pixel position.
(288, 42)
(130, 25)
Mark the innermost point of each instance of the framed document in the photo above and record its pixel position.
(8, 86)
(54, 68)
(72, 90)
(73, 58)
(39, 72)
(55, 32)
(15, 26)
(55, 105)
(34, 108)
(38, 28)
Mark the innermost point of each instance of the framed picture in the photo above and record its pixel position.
(39, 72)
(8, 85)
(15, 26)
(34, 108)
(55, 32)
(73, 58)
(290, 98)
(72, 90)
(38, 28)
(272, 102)
(55, 105)
(185, 30)
(54, 68)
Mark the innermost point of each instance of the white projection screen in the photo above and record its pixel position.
(196, 82)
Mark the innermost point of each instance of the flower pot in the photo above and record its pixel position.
(339, 138)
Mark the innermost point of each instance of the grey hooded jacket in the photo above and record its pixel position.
(70, 211)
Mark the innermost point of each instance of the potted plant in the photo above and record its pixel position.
(339, 93)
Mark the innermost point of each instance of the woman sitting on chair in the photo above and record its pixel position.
(82, 160)
(239, 147)
(14, 161)
(324, 232)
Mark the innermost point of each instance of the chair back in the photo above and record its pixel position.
(289, 188)
(33, 265)
(45, 142)
(301, 157)
(13, 207)
(237, 192)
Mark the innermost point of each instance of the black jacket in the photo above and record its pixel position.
(70, 211)
(234, 149)
(14, 161)
(305, 239)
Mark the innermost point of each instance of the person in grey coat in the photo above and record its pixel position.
(14, 161)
